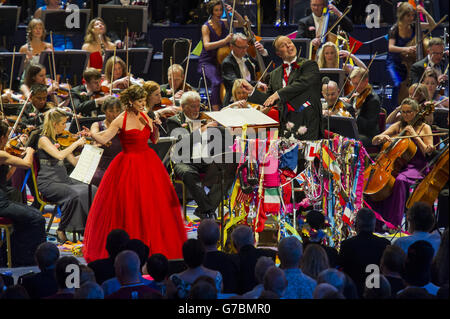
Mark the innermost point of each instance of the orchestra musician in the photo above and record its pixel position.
(215, 35)
(295, 86)
(88, 97)
(312, 25)
(393, 207)
(175, 78)
(120, 74)
(28, 222)
(154, 106)
(331, 57)
(365, 105)
(33, 114)
(240, 96)
(53, 181)
(333, 105)
(430, 79)
(400, 35)
(96, 42)
(36, 74)
(35, 42)
(238, 65)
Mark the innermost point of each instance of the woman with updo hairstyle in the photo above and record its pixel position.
(53, 180)
(37, 74)
(135, 193)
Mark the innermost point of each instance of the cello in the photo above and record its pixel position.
(379, 177)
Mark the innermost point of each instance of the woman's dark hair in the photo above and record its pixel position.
(110, 103)
(193, 253)
(158, 267)
(133, 93)
(211, 4)
(32, 71)
(3, 128)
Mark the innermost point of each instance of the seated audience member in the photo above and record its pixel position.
(391, 266)
(16, 292)
(158, 268)
(324, 289)
(180, 284)
(42, 284)
(88, 98)
(261, 267)
(363, 249)
(421, 221)
(275, 281)
(203, 288)
(439, 267)
(127, 269)
(417, 270)
(104, 268)
(89, 290)
(314, 260)
(300, 286)
(142, 251)
(333, 277)
(86, 274)
(350, 291)
(414, 293)
(62, 275)
(208, 233)
(247, 256)
(381, 291)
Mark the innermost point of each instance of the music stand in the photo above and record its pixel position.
(336, 75)
(138, 58)
(70, 64)
(345, 126)
(9, 19)
(55, 21)
(84, 121)
(6, 63)
(118, 18)
(300, 43)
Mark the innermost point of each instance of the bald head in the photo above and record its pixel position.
(330, 92)
(127, 266)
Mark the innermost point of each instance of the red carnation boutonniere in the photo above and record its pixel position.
(295, 65)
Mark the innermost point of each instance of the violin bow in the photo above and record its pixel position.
(418, 84)
(232, 17)
(206, 88)
(112, 70)
(173, 89)
(187, 65)
(127, 43)
(73, 109)
(12, 68)
(265, 71)
(431, 29)
(347, 10)
(18, 118)
(53, 56)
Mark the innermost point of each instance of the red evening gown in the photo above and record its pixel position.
(135, 194)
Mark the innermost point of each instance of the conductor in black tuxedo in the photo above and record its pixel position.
(311, 26)
(295, 87)
(237, 65)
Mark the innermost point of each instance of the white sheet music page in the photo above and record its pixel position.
(87, 163)
(240, 117)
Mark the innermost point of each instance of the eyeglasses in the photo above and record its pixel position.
(407, 112)
(242, 48)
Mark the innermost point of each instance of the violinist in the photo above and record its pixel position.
(430, 79)
(365, 105)
(334, 106)
(96, 42)
(29, 225)
(53, 180)
(215, 35)
(120, 76)
(312, 26)
(331, 57)
(88, 97)
(393, 207)
(36, 74)
(35, 42)
(400, 36)
(240, 96)
(175, 78)
(238, 65)
(154, 108)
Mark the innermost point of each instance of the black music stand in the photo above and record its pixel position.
(336, 75)
(55, 21)
(138, 58)
(301, 43)
(345, 126)
(118, 18)
(69, 64)
(6, 63)
(9, 19)
(84, 121)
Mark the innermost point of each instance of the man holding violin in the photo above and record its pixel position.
(237, 65)
(175, 80)
(88, 97)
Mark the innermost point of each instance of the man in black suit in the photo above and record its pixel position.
(237, 65)
(175, 80)
(312, 25)
(296, 86)
(83, 95)
(362, 250)
(434, 59)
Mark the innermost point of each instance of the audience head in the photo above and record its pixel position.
(93, 79)
(314, 260)
(141, 249)
(89, 290)
(350, 290)
(203, 287)
(242, 236)
(120, 69)
(290, 252)
(134, 98)
(36, 73)
(153, 93)
(436, 50)
(323, 290)
(158, 267)
(63, 265)
(392, 260)
(193, 253)
(441, 261)
(46, 256)
(86, 275)
(328, 56)
(383, 291)
(365, 220)
(414, 293)
(333, 277)
(208, 232)
(417, 270)
(127, 267)
(420, 217)
(262, 264)
(116, 239)
(36, 29)
(16, 292)
(275, 281)
(190, 104)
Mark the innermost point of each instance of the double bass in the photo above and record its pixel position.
(379, 177)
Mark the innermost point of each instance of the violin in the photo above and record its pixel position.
(16, 145)
(65, 139)
(358, 99)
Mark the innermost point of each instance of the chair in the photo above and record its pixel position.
(6, 225)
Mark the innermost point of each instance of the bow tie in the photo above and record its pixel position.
(294, 65)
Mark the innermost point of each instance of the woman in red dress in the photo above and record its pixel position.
(135, 193)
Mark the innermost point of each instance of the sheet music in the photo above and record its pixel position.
(240, 117)
(87, 163)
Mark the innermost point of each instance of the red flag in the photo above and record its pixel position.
(357, 43)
